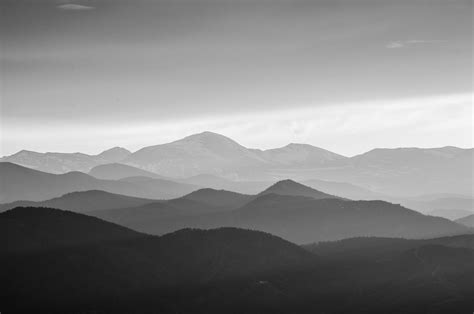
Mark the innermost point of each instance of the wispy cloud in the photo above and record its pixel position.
(74, 7)
(405, 43)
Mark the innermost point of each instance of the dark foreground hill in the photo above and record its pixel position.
(30, 229)
(89, 263)
(224, 270)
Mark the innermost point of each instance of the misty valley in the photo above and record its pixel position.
(205, 225)
(236, 157)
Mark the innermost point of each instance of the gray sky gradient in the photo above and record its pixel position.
(86, 75)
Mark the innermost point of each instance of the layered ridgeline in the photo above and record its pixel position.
(20, 183)
(116, 171)
(64, 262)
(467, 221)
(66, 162)
(288, 209)
(84, 201)
(401, 171)
(443, 205)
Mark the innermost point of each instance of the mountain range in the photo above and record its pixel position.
(63, 262)
(117, 171)
(288, 209)
(20, 183)
(151, 232)
(83, 202)
(65, 162)
(394, 172)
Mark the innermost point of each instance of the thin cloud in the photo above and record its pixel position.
(74, 7)
(405, 43)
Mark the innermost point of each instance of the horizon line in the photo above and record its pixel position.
(219, 134)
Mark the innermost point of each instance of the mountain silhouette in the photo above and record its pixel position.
(300, 219)
(172, 215)
(346, 190)
(164, 217)
(220, 183)
(466, 221)
(451, 214)
(114, 154)
(29, 229)
(83, 201)
(219, 198)
(392, 172)
(290, 187)
(441, 203)
(65, 162)
(20, 183)
(411, 171)
(301, 156)
(116, 171)
(205, 152)
(124, 263)
(48, 252)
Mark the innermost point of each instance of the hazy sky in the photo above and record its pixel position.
(345, 75)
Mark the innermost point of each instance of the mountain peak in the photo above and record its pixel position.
(218, 198)
(114, 154)
(116, 149)
(293, 188)
(208, 141)
(298, 145)
(209, 133)
(23, 153)
(301, 155)
(207, 137)
(286, 184)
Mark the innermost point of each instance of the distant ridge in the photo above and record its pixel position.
(117, 171)
(21, 183)
(219, 198)
(393, 172)
(65, 162)
(301, 155)
(196, 154)
(84, 201)
(467, 221)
